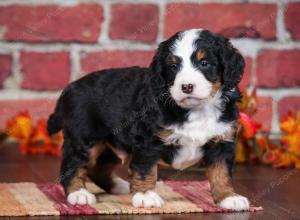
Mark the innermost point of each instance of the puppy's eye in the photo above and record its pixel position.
(204, 63)
(174, 66)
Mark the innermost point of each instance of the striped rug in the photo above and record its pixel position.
(31, 199)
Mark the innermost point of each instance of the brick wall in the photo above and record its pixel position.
(46, 44)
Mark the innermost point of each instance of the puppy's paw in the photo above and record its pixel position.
(81, 197)
(147, 199)
(120, 186)
(236, 203)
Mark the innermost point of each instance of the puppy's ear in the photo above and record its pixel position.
(233, 64)
(158, 65)
(157, 62)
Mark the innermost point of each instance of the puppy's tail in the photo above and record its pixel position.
(55, 120)
(54, 123)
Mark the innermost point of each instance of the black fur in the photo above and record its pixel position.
(127, 107)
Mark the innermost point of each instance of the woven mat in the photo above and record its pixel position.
(31, 199)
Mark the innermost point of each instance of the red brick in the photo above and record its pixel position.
(136, 22)
(233, 20)
(5, 68)
(264, 112)
(246, 80)
(287, 104)
(51, 23)
(45, 71)
(117, 58)
(292, 19)
(37, 108)
(278, 68)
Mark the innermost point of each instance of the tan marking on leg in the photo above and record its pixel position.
(215, 88)
(200, 55)
(140, 184)
(81, 176)
(220, 181)
(78, 181)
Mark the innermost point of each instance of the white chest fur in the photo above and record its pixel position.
(201, 126)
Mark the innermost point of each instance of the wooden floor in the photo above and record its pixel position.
(278, 191)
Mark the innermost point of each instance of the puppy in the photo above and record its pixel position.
(180, 110)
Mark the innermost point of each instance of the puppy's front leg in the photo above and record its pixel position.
(142, 187)
(222, 190)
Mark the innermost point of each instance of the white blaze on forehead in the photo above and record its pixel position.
(184, 47)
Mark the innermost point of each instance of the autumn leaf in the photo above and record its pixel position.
(40, 133)
(20, 127)
(240, 153)
(288, 123)
(248, 125)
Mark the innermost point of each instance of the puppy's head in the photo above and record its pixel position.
(196, 64)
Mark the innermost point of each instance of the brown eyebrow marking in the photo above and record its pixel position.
(173, 60)
(200, 55)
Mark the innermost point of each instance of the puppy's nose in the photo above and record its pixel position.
(187, 88)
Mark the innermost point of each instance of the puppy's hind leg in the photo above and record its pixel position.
(74, 175)
(101, 172)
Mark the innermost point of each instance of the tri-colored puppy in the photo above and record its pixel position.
(180, 110)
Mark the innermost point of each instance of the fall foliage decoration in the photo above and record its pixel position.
(287, 153)
(254, 146)
(247, 149)
(33, 139)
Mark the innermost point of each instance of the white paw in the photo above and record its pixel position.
(120, 186)
(147, 199)
(236, 203)
(81, 197)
